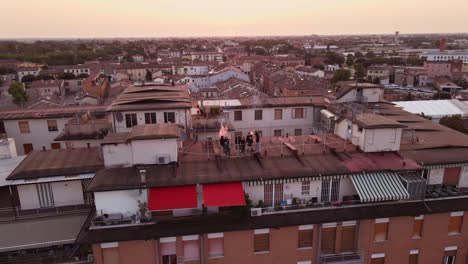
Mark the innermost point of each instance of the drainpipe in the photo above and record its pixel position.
(156, 249)
(202, 249)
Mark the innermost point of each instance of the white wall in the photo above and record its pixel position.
(436, 176)
(28, 196)
(117, 155)
(384, 139)
(268, 124)
(180, 118)
(39, 134)
(463, 177)
(346, 188)
(125, 202)
(372, 95)
(148, 151)
(67, 193)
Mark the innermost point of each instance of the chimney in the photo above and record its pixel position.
(143, 176)
(442, 44)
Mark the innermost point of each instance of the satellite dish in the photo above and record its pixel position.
(119, 116)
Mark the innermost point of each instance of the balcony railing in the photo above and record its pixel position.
(341, 258)
(17, 213)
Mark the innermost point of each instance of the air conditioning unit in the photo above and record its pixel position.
(255, 212)
(162, 159)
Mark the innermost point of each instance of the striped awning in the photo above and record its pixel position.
(376, 187)
(291, 180)
(449, 165)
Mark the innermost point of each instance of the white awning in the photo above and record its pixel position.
(377, 187)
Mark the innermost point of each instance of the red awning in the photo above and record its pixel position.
(168, 198)
(223, 194)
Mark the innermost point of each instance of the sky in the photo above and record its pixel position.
(183, 18)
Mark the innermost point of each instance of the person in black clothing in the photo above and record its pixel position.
(227, 147)
(242, 144)
(221, 141)
(237, 141)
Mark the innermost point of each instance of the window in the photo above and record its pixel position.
(52, 125)
(131, 120)
(110, 255)
(277, 132)
(381, 229)
(348, 236)
(328, 238)
(216, 245)
(23, 127)
(305, 188)
(298, 132)
(262, 240)
(278, 114)
(150, 118)
(169, 117)
(191, 248)
(417, 226)
(44, 192)
(55, 145)
(377, 259)
(330, 190)
(413, 257)
(258, 114)
(305, 236)
(28, 147)
(455, 223)
(238, 115)
(449, 255)
(298, 113)
(167, 250)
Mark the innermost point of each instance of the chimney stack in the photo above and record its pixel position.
(442, 44)
(143, 176)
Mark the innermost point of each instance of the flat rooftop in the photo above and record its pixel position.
(199, 164)
(58, 162)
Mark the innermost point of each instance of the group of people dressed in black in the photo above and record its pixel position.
(242, 144)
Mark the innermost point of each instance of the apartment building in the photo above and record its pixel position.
(36, 129)
(21, 72)
(44, 206)
(77, 69)
(271, 117)
(48, 88)
(151, 104)
(380, 72)
(311, 206)
(211, 56)
(384, 186)
(214, 77)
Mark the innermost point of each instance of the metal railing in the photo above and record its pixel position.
(346, 257)
(15, 213)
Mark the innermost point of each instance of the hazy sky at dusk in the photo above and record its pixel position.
(160, 18)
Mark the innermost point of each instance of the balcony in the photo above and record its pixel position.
(18, 213)
(342, 258)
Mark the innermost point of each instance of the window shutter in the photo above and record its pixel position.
(305, 238)
(348, 238)
(380, 231)
(328, 240)
(417, 228)
(455, 224)
(261, 242)
(413, 259)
